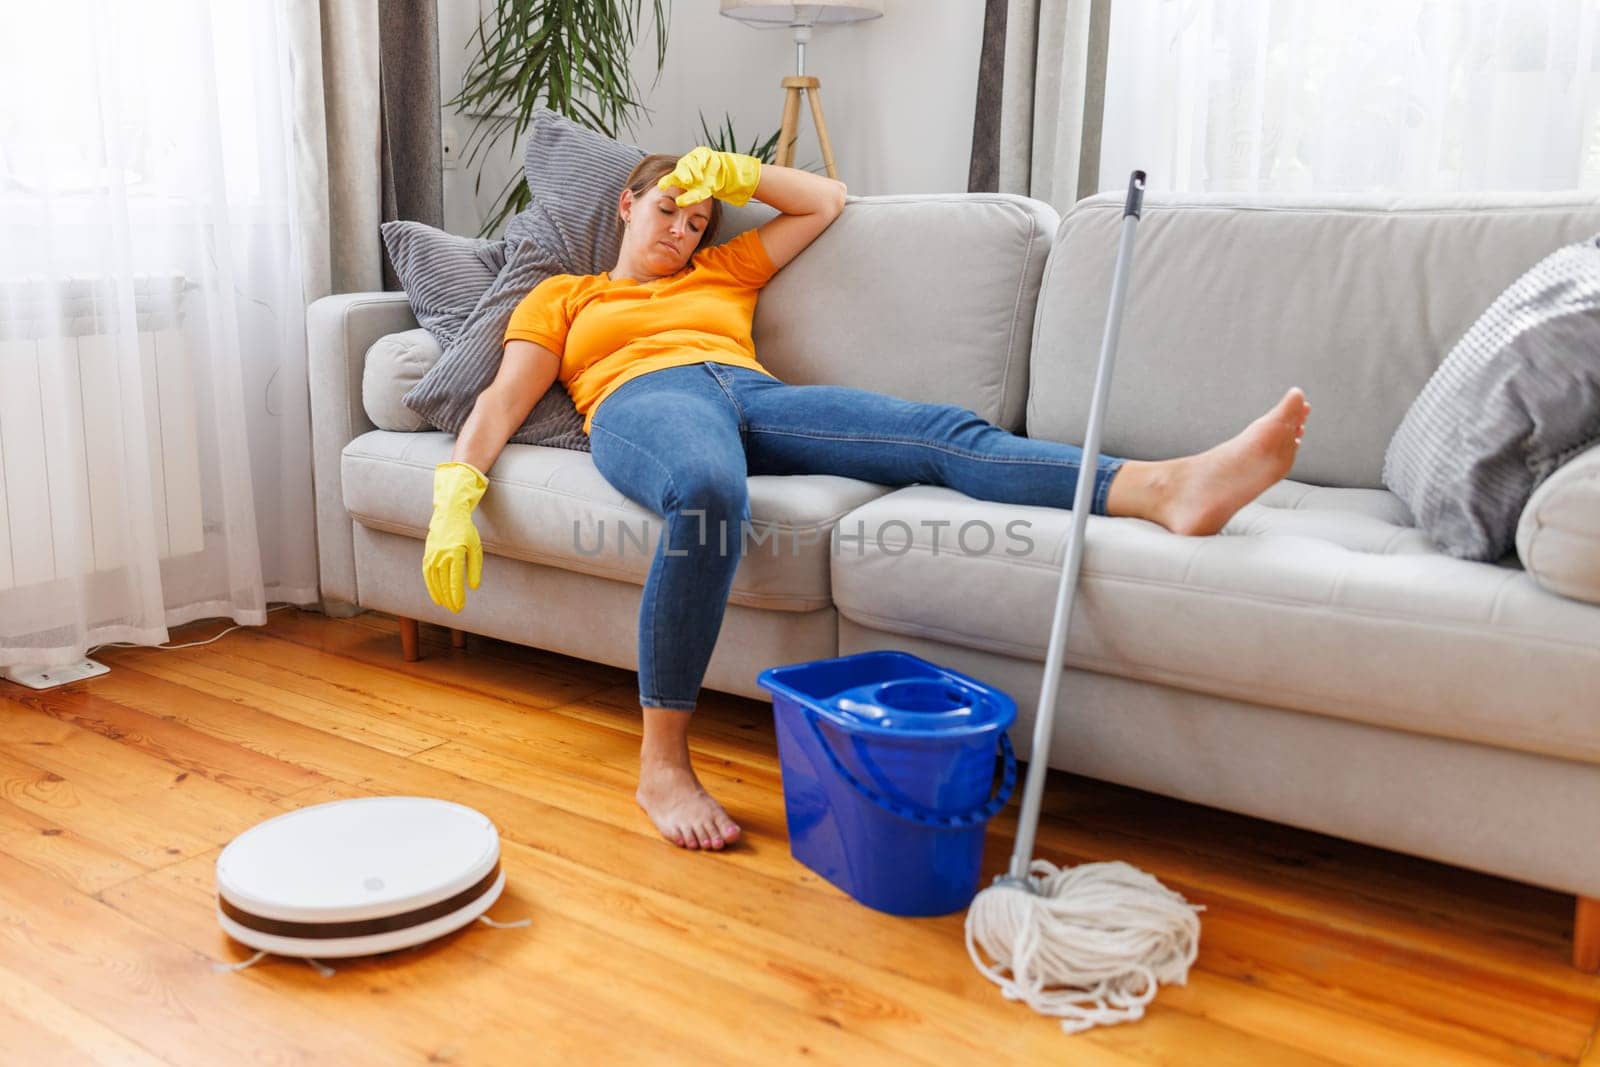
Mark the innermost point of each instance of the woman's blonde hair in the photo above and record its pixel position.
(652, 169)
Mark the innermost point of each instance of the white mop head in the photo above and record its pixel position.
(1089, 946)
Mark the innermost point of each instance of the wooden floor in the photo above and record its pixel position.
(120, 791)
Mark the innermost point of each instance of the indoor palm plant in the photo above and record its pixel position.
(724, 140)
(571, 56)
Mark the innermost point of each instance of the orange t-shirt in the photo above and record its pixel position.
(608, 332)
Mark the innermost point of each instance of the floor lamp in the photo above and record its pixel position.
(801, 18)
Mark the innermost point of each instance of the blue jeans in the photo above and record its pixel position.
(681, 442)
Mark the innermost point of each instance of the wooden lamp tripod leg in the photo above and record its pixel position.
(791, 123)
(814, 95)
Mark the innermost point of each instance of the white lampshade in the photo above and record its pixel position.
(817, 12)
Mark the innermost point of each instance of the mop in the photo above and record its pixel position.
(1089, 944)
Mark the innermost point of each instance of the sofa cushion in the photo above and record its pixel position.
(1558, 537)
(1315, 599)
(1233, 299)
(395, 363)
(1516, 395)
(552, 506)
(923, 297)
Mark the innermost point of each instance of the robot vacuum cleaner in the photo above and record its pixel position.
(356, 877)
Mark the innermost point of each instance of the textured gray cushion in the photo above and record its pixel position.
(575, 176)
(1516, 396)
(394, 364)
(1234, 297)
(1558, 536)
(444, 275)
(881, 302)
(445, 396)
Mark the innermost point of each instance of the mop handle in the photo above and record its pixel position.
(1038, 759)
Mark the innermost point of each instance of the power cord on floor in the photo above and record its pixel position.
(190, 644)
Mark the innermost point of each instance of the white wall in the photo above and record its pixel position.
(898, 94)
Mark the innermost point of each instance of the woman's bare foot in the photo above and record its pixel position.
(1198, 494)
(670, 792)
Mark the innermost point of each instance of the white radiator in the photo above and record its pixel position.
(60, 460)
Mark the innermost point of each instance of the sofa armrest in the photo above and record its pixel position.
(1558, 537)
(339, 330)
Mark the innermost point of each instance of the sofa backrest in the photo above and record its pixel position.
(928, 298)
(1232, 300)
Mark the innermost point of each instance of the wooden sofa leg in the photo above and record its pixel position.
(410, 644)
(458, 639)
(1586, 935)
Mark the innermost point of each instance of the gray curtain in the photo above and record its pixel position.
(411, 150)
(984, 174)
(1041, 97)
(366, 127)
(333, 55)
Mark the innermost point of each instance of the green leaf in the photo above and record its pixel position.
(725, 140)
(572, 56)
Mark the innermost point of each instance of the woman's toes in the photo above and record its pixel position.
(682, 810)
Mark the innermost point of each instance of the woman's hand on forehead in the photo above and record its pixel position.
(671, 194)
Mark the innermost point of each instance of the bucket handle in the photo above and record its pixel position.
(964, 820)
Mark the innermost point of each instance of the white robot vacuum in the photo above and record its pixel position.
(356, 877)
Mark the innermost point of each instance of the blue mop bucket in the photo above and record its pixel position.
(888, 765)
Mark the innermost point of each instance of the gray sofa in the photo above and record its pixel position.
(1319, 663)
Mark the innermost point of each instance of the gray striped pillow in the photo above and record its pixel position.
(1517, 396)
(575, 177)
(444, 275)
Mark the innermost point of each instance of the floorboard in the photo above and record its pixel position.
(118, 793)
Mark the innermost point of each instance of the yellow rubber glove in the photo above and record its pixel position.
(725, 175)
(453, 556)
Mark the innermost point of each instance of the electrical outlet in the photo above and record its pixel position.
(50, 677)
(450, 149)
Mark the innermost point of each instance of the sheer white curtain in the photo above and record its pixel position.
(1355, 95)
(154, 430)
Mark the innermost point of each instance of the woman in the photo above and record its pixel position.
(658, 357)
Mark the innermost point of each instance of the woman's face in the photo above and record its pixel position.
(661, 234)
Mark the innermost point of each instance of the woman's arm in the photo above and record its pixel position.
(452, 556)
(526, 373)
(809, 203)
